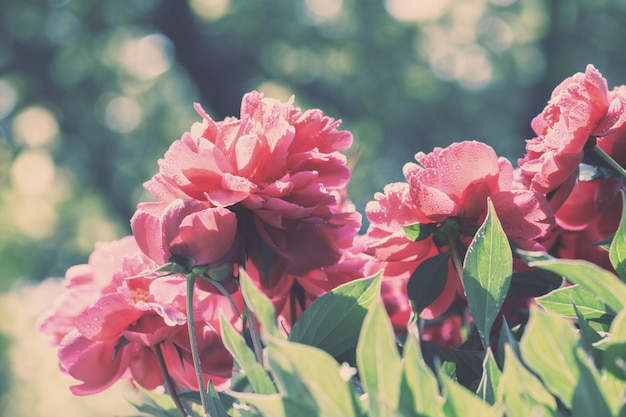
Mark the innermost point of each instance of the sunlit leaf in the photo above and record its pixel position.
(615, 347)
(276, 405)
(333, 321)
(419, 391)
(379, 362)
(236, 345)
(311, 376)
(520, 391)
(487, 273)
(419, 231)
(461, 402)
(259, 304)
(487, 388)
(602, 284)
(560, 302)
(215, 407)
(589, 400)
(548, 350)
(617, 250)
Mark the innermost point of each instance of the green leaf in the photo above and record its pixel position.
(378, 361)
(588, 336)
(216, 409)
(276, 405)
(561, 302)
(259, 304)
(548, 350)
(487, 388)
(427, 281)
(588, 398)
(602, 284)
(520, 391)
(461, 402)
(615, 347)
(487, 273)
(617, 250)
(507, 338)
(333, 321)
(419, 391)
(236, 345)
(420, 231)
(311, 376)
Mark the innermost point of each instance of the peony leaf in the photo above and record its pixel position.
(420, 231)
(590, 398)
(311, 377)
(487, 273)
(379, 363)
(236, 345)
(617, 250)
(490, 378)
(419, 391)
(461, 402)
(275, 405)
(333, 321)
(216, 409)
(560, 302)
(614, 347)
(427, 282)
(602, 284)
(521, 392)
(259, 304)
(548, 350)
(507, 338)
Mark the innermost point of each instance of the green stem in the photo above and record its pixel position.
(456, 256)
(609, 160)
(167, 379)
(254, 334)
(195, 353)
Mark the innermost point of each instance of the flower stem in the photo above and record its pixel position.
(456, 256)
(195, 354)
(609, 160)
(254, 334)
(169, 383)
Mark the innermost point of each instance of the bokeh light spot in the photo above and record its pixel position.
(8, 98)
(35, 217)
(417, 10)
(148, 57)
(35, 126)
(322, 10)
(122, 114)
(32, 173)
(210, 10)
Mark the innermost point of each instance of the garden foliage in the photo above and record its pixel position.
(477, 289)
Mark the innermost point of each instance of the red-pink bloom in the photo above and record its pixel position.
(277, 168)
(580, 107)
(117, 309)
(451, 183)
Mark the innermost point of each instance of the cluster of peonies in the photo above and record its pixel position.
(267, 192)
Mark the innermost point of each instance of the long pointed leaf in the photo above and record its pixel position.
(487, 273)
(617, 250)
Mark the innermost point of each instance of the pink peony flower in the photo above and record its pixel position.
(580, 107)
(117, 309)
(447, 184)
(277, 168)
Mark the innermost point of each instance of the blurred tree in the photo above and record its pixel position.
(92, 93)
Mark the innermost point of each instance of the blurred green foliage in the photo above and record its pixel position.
(92, 93)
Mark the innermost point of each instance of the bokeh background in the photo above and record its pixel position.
(93, 92)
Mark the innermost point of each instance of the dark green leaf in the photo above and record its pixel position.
(548, 349)
(419, 231)
(588, 398)
(379, 363)
(588, 336)
(507, 338)
(534, 282)
(333, 321)
(216, 409)
(487, 273)
(428, 281)
(617, 250)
